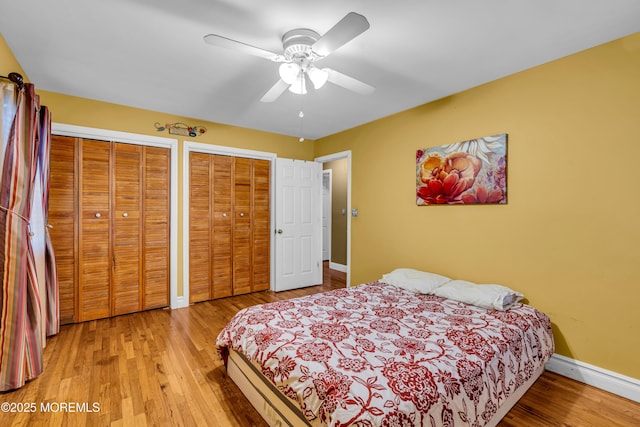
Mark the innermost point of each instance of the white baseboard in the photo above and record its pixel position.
(338, 267)
(592, 375)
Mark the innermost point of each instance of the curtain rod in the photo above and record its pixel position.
(15, 78)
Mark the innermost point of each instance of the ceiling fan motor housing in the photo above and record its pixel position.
(297, 44)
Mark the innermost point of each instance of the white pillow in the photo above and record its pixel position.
(414, 280)
(495, 297)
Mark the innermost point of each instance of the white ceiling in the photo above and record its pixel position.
(151, 54)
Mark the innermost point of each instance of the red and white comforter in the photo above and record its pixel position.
(377, 355)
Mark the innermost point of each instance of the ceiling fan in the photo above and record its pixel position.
(302, 48)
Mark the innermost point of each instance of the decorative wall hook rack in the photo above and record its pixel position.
(181, 129)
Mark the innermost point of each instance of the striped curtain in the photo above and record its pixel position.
(22, 336)
(51, 279)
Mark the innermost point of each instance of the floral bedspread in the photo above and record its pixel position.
(377, 355)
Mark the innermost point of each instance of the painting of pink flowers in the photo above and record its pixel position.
(463, 173)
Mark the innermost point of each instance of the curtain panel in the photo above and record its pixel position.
(25, 309)
(51, 276)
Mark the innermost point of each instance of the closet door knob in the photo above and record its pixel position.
(241, 213)
(224, 215)
(98, 215)
(124, 214)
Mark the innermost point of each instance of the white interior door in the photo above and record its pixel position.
(298, 234)
(326, 215)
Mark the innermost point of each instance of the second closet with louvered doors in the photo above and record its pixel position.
(109, 207)
(229, 226)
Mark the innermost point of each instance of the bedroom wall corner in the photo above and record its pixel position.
(604, 379)
(8, 62)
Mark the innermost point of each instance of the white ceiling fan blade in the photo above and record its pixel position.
(348, 82)
(344, 31)
(220, 41)
(275, 91)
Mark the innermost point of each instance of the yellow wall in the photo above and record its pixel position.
(85, 112)
(569, 237)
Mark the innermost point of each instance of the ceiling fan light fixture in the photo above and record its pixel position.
(289, 72)
(299, 86)
(318, 77)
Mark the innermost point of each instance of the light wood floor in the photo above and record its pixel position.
(160, 368)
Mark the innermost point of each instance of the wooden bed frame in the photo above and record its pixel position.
(279, 411)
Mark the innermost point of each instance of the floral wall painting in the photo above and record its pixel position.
(463, 173)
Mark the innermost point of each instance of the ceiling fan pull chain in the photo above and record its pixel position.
(301, 115)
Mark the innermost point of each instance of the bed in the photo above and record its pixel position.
(378, 354)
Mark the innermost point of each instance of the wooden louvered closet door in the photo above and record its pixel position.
(221, 240)
(156, 225)
(210, 234)
(261, 244)
(62, 207)
(200, 214)
(127, 236)
(242, 226)
(94, 298)
(109, 207)
(229, 226)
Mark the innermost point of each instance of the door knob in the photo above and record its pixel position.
(124, 214)
(279, 231)
(98, 215)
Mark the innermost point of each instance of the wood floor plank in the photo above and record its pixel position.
(160, 368)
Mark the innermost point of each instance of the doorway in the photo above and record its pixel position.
(326, 214)
(340, 253)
